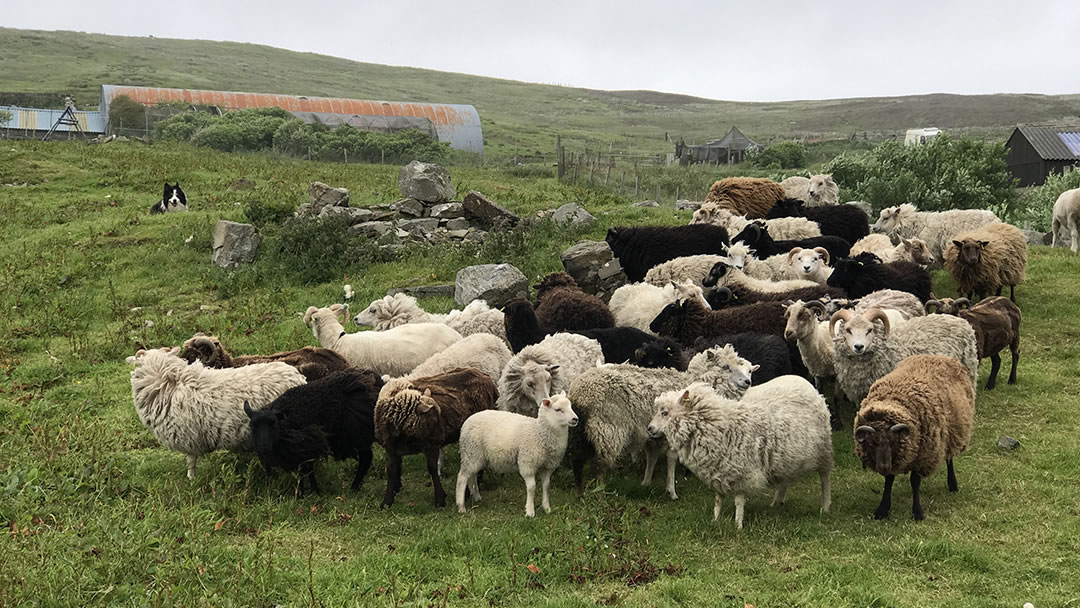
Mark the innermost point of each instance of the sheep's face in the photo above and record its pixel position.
(536, 380)
(557, 411)
(970, 251)
(687, 290)
(808, 261)
(821, 186)
(265, 428)
(670, 319)
(845, 272)
(717, 274)
(738, 371)
(658, 353)
(737, 254)
(788, 207)
(670, 407)
(801, 321)
(859, 335)
(879, 445)
(918, 251)
(205, 348)
(888, 220)
(322, 319)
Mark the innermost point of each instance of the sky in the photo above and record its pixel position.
(754, 50)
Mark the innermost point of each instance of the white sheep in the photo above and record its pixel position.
(781, 228)
(740, 256)
(816, 190)
(774, 435)
(935, 228)
(482, 351)
(394, 351)
(907, 250)
(503, 442)
(637, 304)
(541, 370)
(615, 403)
(691, 268)
(399, 309)
(904, 302)
(867, 347)
(733, 277)
(808, 265)
(1067, 216)
(195, 410)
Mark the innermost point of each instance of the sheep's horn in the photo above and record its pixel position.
(862, 431)
(932, 304)
(725, 294)
(877, 313)
(247, 409)
(900, 428)
(844, 315)
(959, 303)
(794, 252)
(824, 253)
(817, 306)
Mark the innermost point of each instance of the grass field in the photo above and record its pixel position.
(518, 118)
(99, 514)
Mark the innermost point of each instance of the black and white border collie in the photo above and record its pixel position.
(172, 200)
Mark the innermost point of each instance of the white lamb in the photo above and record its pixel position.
(1067, 216)
(907, 250)
(484, 352)
(637, 304)
(816, 190)
(195, 410)
(774, 435)
(936, 228)
(399, 309)
(394, 352)
(691, 268)
(781, 228)
(502, 442)
(543, 369)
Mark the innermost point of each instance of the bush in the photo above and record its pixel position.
(781, 155)
(262, 214)
(5, 116)
(126, 113)
(946, 173)
(1035, 207)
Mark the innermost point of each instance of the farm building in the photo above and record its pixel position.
(914, 137)
(26, 123)
(1035, 152)
(730, 148)
(455, 124)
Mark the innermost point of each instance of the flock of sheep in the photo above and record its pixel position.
(716, 354)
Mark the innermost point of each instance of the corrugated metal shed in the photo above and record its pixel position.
(1050, 142)
(455, 124)
(384, 124)
(39, 119)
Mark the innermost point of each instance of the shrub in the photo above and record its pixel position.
(946, 173)
(5, 116)
(126, 113)
(781, 155)
(261, 213)
(1035, 206)
(183, 126)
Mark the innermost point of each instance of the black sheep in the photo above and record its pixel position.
(845, 221)
(738, 295)
(865, 273)
(643, 247)
(332, 415)
(561, 305)
(769, 351)
(618, 343)
(689, 320)
(756, 236)
(661, 352)
(621, 343)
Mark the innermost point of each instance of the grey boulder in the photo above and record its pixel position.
(234, 244)
(495, 283)
(426, 182)
(572, 214)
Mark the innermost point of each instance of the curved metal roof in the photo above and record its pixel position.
(455, 124)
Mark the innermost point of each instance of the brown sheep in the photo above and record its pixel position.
(313, 362)
(996, 321)
(563, 306)
(421, 415)
(749, 196)
(914, 417)
(983, 261)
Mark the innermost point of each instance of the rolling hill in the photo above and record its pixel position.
(517, 117)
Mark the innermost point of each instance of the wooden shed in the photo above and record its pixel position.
(1035, 152)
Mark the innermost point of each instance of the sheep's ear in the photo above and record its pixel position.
(754, 368)
(685, 396)
(984, 243)
(552, 368)
(545, 403)
(958, 244)
(710, 355)
(906, 242)
(427, 393)
(423, 407)
(247, 409)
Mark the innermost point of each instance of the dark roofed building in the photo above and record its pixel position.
(730, 148)
(1035, 152)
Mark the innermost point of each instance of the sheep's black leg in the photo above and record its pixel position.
(916, 506)
(886, 499)
(1015, 347)
(363, 463)
(953, 486)
(309, 472)
(393, 478)
(432, 456)
(1012, 292)
(578, 464)
(998, 290)
(995, 365)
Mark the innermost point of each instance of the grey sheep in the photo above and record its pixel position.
(541, 370)
(983, 261)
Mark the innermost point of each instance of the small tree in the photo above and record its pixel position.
(125, 112)
(781, 155)
(5, 117)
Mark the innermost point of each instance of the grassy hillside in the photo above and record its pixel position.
(99, 514)
(517, 117)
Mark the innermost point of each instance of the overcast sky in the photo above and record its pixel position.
(750, 50)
